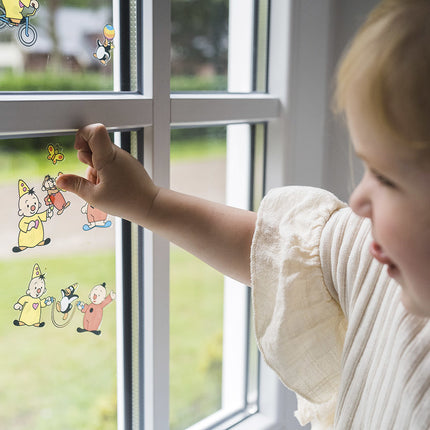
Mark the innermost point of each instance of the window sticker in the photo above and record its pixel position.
(31, 233)
(93, 312)
(54, 195)
(95, 218)
(55, 153)
(17, 13)
(64, 305)
(104, 50)
(30, 305)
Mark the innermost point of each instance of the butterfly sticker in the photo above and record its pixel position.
(55, 153)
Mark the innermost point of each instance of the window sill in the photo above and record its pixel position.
(240, 421)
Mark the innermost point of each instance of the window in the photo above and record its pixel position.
(235, 100)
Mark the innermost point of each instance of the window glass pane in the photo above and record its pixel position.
(199, 45)
(196, 317)
(261, 45)
(219, 45)
(63, 45)
(58, 301)
(258, 173)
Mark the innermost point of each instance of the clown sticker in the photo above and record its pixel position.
(31, 304)
(93, 312)
(95, 218)
(31, 233)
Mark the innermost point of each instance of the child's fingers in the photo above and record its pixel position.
(84, 154)
(92, 175)
(85, 157)
(95, 139)
(77, 185)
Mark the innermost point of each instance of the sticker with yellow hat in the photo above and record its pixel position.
(31, 233)
(30, 305)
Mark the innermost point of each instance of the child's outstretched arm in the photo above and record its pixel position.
(119, 185)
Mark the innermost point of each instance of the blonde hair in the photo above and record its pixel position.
(388, 66)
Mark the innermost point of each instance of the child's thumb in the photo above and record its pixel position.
(77, 185)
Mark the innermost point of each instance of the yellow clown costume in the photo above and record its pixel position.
(14, 8)
(31, 231)
(31, 307)
(31, 238)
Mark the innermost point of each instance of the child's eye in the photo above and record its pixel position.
(383, 180)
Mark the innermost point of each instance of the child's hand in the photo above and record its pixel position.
(118, 184)
(115, 182)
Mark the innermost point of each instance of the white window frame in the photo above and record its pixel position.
(295, 25)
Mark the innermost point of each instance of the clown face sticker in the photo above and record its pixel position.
(31, 233)
(30, 305)
(93, 312)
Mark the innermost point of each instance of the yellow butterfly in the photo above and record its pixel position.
(54, 154)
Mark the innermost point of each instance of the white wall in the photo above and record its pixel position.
(338, 170)
(307, 144)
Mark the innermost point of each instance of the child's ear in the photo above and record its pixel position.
(20, 213)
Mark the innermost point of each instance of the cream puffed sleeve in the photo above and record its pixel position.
(299, 323)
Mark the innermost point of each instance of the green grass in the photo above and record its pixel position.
(197, 149)
(96, 81)
(184, 83)
(54, 81)
(52, 374)
(196, 302)
(20, 164)
(29, 164)
(56, 378)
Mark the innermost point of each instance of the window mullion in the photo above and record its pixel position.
(156, 84)
(223, 108)
(59, 114)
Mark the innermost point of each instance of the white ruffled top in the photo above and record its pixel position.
(329, 320)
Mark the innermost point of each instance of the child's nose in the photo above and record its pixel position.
(360, 201)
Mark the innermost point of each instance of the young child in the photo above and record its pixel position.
(341, 294)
